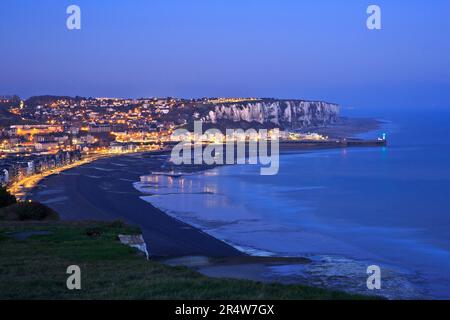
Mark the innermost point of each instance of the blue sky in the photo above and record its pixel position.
(268, 48)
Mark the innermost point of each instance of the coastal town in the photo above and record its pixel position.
(47, 134)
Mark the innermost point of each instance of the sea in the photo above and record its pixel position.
(345, 209)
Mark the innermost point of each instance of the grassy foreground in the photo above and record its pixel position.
(35, 268)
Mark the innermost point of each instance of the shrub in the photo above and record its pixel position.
(23, 211)
(6, 198)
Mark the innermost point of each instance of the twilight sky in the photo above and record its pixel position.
(267, 48)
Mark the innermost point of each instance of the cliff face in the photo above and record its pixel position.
(289, 114)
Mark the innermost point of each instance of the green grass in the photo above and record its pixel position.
(35, 268)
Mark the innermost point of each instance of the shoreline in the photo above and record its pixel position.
(73, 194)
(21, 188)
(76, 195)
(103, 190)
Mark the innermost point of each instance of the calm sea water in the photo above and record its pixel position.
(345, 209)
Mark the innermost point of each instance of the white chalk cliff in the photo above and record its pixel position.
(292, 114)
